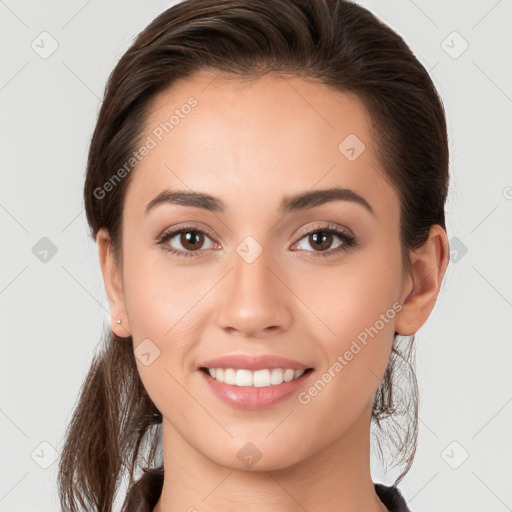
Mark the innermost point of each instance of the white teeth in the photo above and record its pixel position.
(258, 378)
(243, 378)
(276, 376)
(288, 375)
(229, 376)
(261, 378)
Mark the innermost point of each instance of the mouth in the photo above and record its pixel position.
(250, 381)
(243, 377)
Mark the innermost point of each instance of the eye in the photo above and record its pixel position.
(190, 238)
(321, 237)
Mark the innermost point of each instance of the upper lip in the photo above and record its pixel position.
(252, 362)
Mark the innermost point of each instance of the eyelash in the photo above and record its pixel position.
(348, 240)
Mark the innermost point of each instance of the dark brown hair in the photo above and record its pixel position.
(333, 42)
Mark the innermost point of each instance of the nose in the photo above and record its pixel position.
(253, 299)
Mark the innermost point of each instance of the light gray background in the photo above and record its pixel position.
(53, 312)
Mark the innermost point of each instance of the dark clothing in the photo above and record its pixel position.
(392, 498)
(144, 494)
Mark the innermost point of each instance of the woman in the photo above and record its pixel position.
(266, 185)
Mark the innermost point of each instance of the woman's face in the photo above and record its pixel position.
(256, 280)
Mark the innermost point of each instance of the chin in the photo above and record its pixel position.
(256, 457)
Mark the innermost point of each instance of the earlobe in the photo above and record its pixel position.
(112, 278)
(428, 264)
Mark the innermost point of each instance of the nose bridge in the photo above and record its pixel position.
(253, 299)
(251, 273)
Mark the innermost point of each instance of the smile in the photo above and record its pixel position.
(258, 378)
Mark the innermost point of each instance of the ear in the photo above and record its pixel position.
(113, 280)
(423, 284)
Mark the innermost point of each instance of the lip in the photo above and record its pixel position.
(249, 397)
(253, 363)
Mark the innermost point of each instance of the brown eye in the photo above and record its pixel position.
(185, 241)
(321, 240)
(191, 240)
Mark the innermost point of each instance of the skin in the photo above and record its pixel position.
(250, 144)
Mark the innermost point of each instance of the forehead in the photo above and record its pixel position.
(257, 140)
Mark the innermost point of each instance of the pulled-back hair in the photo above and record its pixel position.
(115, 427)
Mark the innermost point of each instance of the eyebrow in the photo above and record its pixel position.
(297, 202)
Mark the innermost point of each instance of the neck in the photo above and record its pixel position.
(335, 479)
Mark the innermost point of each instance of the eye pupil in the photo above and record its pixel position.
(191, 238)
(320, 238)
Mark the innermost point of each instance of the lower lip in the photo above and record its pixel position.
(249, 397)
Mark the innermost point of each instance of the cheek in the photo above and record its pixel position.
(350, 300)
(166, 314)
(355, 307)
(162, 299)
(356, 333)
